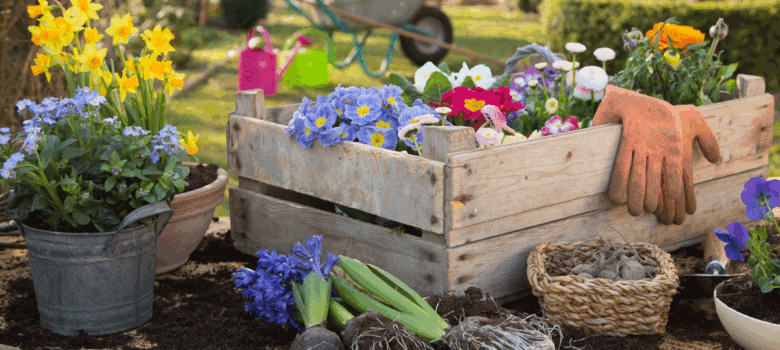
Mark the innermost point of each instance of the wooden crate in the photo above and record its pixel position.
(516, 196)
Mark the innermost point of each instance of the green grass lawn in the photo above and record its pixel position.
(205, 109)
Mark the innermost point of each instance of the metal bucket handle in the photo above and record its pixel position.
(140, 213)
(525, 51)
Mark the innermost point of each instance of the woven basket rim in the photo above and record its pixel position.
(666, 274)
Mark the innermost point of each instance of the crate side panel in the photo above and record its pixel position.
(519, 178)
(498, 264)
(393, 185)
(263, 222)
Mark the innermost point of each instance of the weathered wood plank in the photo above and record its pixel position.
(281, 114)
(508, 180)
(281, 193)
(750, 85)
(563, 210)
(251, 103)
(393, 185)
(498, 265)
(262, 222)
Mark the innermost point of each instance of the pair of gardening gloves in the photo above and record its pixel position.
(653, 169)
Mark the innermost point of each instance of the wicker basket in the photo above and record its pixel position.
(599, 305)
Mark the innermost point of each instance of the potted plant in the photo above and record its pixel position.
(85, 194)
(132, 92)
(749, 328)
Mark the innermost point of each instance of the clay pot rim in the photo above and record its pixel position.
(220, 182)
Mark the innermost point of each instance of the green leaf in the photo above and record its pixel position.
(110, 182)
(316, 293)
(70, 203)
(80, 166)
(502, 81)
(39, 202)
(761, 233)
(127, 173)
(437, 85)
(410, 92)
(81, 218)
(468, 82)
(46, 153)
(445, 68)
(73, 152)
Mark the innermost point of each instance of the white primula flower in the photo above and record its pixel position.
(604, 54)
(551, 105)
(455, 79)
(422, 74)
(592, 78)
(513, 138)
(575, 47)
(563, 65)
(540, 65)
(480, 73)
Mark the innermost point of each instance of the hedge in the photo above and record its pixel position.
(753, 40)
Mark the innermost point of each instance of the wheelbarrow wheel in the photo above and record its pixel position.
(435, 22)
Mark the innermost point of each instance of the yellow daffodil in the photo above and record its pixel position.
(42, 65)
(190, 143)
(91, 59)
(92, 36)
(100, 80)
(36, 35)
(84, 10)
(175, 81)
(158, 69)
(126, 84)
(40, 9)
(143, 64)
(121, 29)
(158, 40)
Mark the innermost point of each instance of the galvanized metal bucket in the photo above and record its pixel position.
(101, 283)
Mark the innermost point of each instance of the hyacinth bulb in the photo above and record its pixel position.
(720, 30)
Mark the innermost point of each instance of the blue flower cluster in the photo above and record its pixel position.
(371, 116)
(166, 140)
(269, 288)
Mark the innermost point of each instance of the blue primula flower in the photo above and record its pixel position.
(735, 240)
(384, 138)
(387, 120)
(365, 109)
(410, 114)
(391, 95)
(322, 115)
(760, 196)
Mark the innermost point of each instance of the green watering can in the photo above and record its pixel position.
(310, 68)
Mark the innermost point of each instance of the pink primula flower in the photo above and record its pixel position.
(488, 136)
(557, 125)
(495, 115)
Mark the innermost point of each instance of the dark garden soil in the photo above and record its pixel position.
(196, 307)
(744, 295)
(200, 176)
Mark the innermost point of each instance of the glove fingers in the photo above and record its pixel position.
(669, 210)
(679, 211)
(620, 173)
(704, 136)
(653, 183)
(636, 184)
(673, 177)
(659, 210)
(690, 196)
(608, 112)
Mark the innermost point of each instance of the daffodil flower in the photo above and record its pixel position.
(42, 65)
(91, 59)
(190, 143)
(126, 84)
(175, 82)
(92, 36)
(158, 40)
(84, 10)
(121, 29)
(38, 10)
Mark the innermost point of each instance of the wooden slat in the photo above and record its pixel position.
(281, 114)
(262, 222)
(251, 103)
(568, 173)
(750, 85)
(393, 185)
(498, 265)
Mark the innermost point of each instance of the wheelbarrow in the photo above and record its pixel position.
(425, 32)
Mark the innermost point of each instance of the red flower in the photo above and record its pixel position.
(468, 102)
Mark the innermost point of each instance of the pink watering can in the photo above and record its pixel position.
(257, 68)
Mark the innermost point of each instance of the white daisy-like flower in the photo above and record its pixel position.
(540, 65)
(576, 65)
(563, 65)
(604, 54)
(480, 73)
(488, 136)
(412, 128)
(443, 110)
(551, 105)
(592, 78)
(422, 74)
(569, 79)
(513, 138)
(585, 94)
(533, 83)
(575, 47)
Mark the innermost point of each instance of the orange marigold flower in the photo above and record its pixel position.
(681, 36)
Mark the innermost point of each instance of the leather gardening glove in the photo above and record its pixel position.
(654, 157)
(697, 130)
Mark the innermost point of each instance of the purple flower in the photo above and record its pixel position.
(760, 196)
(735, 239)
(309, 258)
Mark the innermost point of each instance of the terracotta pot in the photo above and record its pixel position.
(192, 214)
(748, 332)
